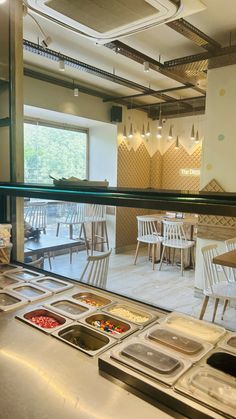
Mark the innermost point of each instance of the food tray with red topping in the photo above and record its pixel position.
(109, 325)
(45, 320)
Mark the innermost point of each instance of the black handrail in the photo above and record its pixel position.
(171, 200)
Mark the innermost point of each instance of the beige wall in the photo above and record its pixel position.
(49, 96)
(219, 147)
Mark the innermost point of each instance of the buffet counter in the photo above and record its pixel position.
(82, 366)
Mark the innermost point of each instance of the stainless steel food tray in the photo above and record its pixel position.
(52, 284)
(136, 313)
(6, 282)
(228, 342)
(9, 268)
(25, 275)
(82, 296)
(196, 328)
(9, 300)
(69, 307)
(84, 338)
(176, 342)
(144, 357)
(42, 311)
(29, 291)
(100, 316)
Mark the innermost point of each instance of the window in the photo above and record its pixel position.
(54, 150)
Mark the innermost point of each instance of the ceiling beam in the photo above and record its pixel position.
(150, 93)
(139, 57)
(72, 62)
(35, 74)
(200, 57)
(176, 113)
(194, 34)
(164, 104)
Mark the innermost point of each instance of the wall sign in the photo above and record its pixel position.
(189, 172)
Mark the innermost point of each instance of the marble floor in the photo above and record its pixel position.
(165, 289)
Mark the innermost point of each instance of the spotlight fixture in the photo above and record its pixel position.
(76, 91)
(159, 135)
(177, 143)
(61, 64)
(46, 42)
(146, 66)
(143, 132)
(124, 132)
(131, 131)
(197, 138)
(160, 123)
(192, 136)
(148, 132)
(170, 136)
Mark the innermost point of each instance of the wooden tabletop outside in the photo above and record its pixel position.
(226, 259)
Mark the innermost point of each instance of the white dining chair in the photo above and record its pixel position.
(96, 270)
(217, 286)
(174, 237)
(231, 245)
(148, 234)
(35, 214)
(73, 214)
(95, 216)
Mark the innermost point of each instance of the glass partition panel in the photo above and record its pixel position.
(148, 255)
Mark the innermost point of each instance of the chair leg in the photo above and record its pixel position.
(71, 253)
(224, 308)
(136, 253)
(106, 234)
(162, 255)
(71, 231)
(182, 262)
(85, 237)
(173, 259)
(215, 309)
(204, 306)
(49, 261)
(58, 228)
(153, 256)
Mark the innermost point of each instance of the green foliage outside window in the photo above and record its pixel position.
(53, 151)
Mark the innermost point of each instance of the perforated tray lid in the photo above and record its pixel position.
(25, 275)
(210, 387)
(69, 307)
(176, 342)
(29, 291)
(9, 300)
(5, 268)
(195, 328)
(150, 360)
(228, 343)
(52, 284)
(6, 282)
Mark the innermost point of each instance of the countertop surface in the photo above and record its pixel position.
(42, 377)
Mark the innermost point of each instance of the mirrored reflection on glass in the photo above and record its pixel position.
(150, 256)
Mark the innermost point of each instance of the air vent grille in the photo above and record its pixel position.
(103, 15)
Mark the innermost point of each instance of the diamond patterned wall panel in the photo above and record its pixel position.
(216, 227)
(156, 170)
(133, 166)
(172, 161)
